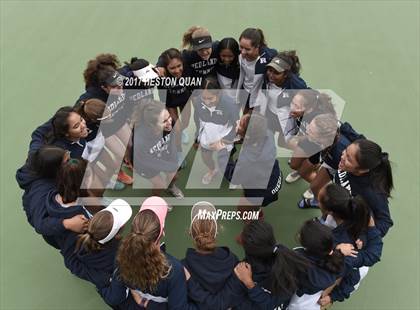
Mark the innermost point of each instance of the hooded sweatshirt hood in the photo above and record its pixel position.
(211, 270)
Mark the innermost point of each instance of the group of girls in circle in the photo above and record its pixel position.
(73, 155)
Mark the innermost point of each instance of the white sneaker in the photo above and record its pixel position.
(234, 186)
(176, 192)
(292, 177)
(208, 177)
(308, 194)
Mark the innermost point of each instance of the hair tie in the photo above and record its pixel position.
(384, 156)
(73, 161)
(275, 249)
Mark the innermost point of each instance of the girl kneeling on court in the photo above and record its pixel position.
(155, 278)
(257, 170)
(155, 149)
(216, 119)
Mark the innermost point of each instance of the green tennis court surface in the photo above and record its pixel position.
(366, 51)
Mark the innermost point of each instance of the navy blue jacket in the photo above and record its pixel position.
(213, 284)
(369, 255)
(35, 192)
(173, 287)
(198, 66)
(260, 296)
(93, 92)
(176, 95)
(76, 148)
(96, 267)
(316, 279)
(377, 201)
(154, 152)
(33, 201)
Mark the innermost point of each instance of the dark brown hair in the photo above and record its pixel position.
(69, 179)
(94, 74)
(370, 156)
(256, 36)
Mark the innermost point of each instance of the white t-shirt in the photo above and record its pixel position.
(273, 93)
(248, 68)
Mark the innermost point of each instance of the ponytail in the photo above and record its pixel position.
(359, 216)
(319, 102)
(261, 247)
(318, 241)
(371, 157)
(141, 263)
(352, 210)
(99, 227)
(287, 266)
(255, 35)
(292, 59)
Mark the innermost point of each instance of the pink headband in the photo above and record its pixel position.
(159, 207)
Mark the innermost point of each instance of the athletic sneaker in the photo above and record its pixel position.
(124, 178)
(234, 186)
(185, 138)
(292, 177)
(308, 204)
(308, 194)
(208, 177)
(175, 191)
(119, 186)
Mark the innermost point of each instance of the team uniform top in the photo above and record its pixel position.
(94, 267)
(311, 284)
(213, 284)
(170, 293)
(198, 66)
(251, 76)
(215, 123)
(369, 255)
(377, 201)
(155, 153)
(274, 102)
(176, 95)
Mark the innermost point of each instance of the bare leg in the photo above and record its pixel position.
(322, 178)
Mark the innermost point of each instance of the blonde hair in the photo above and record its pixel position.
(192, 33)
(203, 233)
(99, 227)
